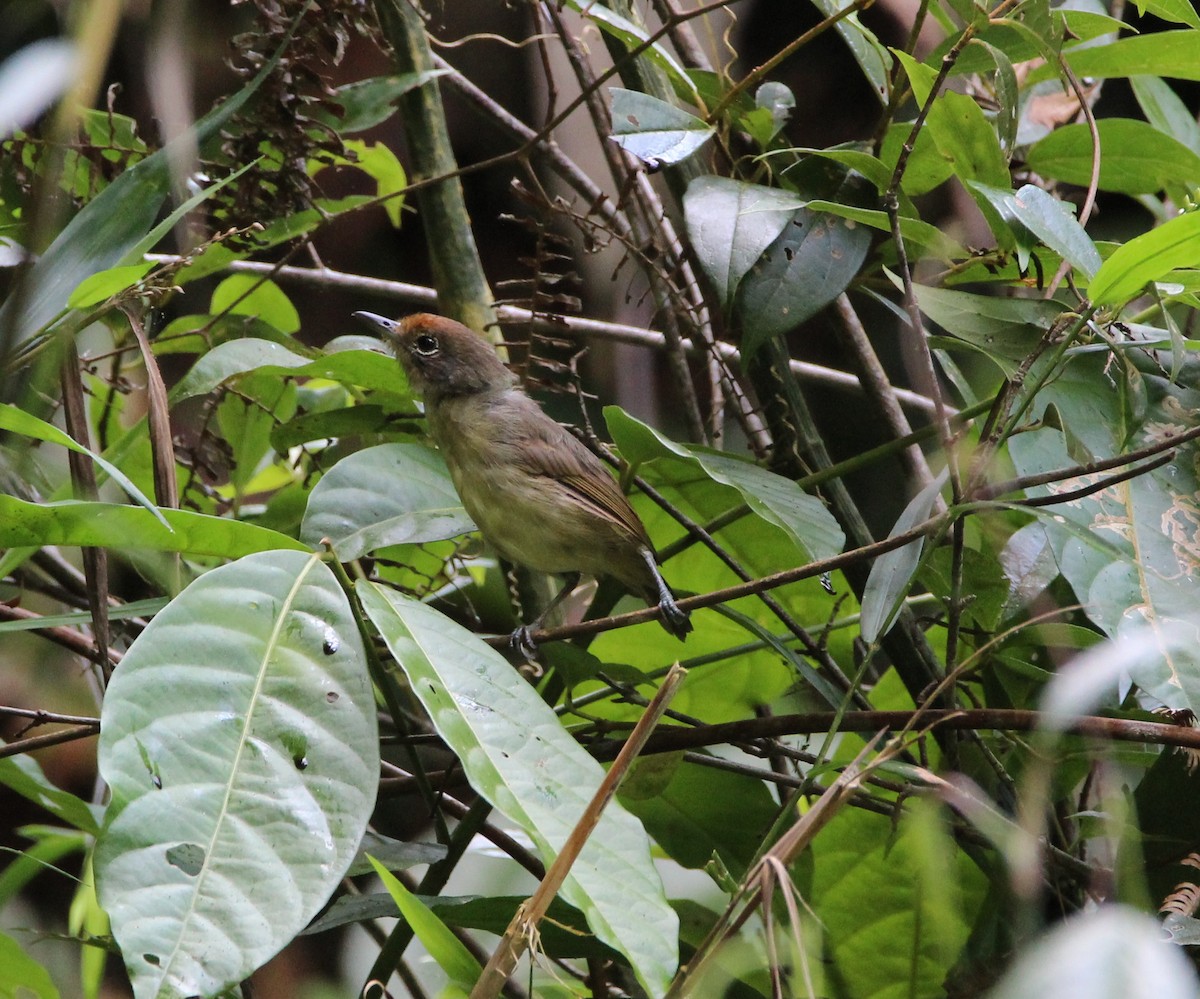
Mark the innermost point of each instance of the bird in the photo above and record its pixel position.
(539, 497)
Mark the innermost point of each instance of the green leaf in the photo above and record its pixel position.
(730, 224)
(364, 368)
(444, 947)
(1166, 53)
(517, 755)
(109, 525)
(653, 130)
(905, 942)
(1136, 158)
(104, 285)
(960, 130)
(779, 501)
(634, 36)
(1053, 222)
(254, 295)
(1148, 257)
(240, 746)
(391, 494)
(1005, 329)
(18, 421)
(23, 775)
(686, 809)
(893, 571)
(371, 102)
(1179, 11)
(1166, 111)
(1132, 544)
(21, 977)
(379, 163)
(868, 52)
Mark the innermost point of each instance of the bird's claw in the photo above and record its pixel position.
(521, 642)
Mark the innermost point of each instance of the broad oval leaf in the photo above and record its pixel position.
(730, 223)
(239, 741)
(391, 494)
(516, 754)
(777, 500)
(653, 130)
(893, 571)
(813, 260)
(1147, 258)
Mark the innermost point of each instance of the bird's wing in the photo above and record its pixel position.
(554, 453)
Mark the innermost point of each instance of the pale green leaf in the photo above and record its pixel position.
(390, 494)
(516, 753)
(239, 743)
(653, 130)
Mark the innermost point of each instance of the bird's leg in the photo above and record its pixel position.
(522, 638)
(674, 618)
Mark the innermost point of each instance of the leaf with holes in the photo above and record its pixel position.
(1129, 549)
(239, 742)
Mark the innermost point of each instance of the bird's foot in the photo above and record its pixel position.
(522, 643)
(674, 618)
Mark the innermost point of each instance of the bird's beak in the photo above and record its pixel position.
(387, 328)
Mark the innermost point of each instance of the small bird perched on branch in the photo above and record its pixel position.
(539, 497)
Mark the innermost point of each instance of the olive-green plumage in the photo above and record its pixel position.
(539, 497)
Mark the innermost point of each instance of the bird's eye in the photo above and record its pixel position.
(426, 345)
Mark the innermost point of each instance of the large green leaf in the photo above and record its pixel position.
(888, 933)
(1004, 329)
(773, 261)
(109, 525)
(391, 494)
(960, 130)
(1135, 158)
(1129, 551)
(1165, 53)
(730, 224)
(517, 755)
(239, 742)
(365, 368)
(777, 500)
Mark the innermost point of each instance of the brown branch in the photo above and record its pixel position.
(68, 638)
(673, 738)
(50, 739)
